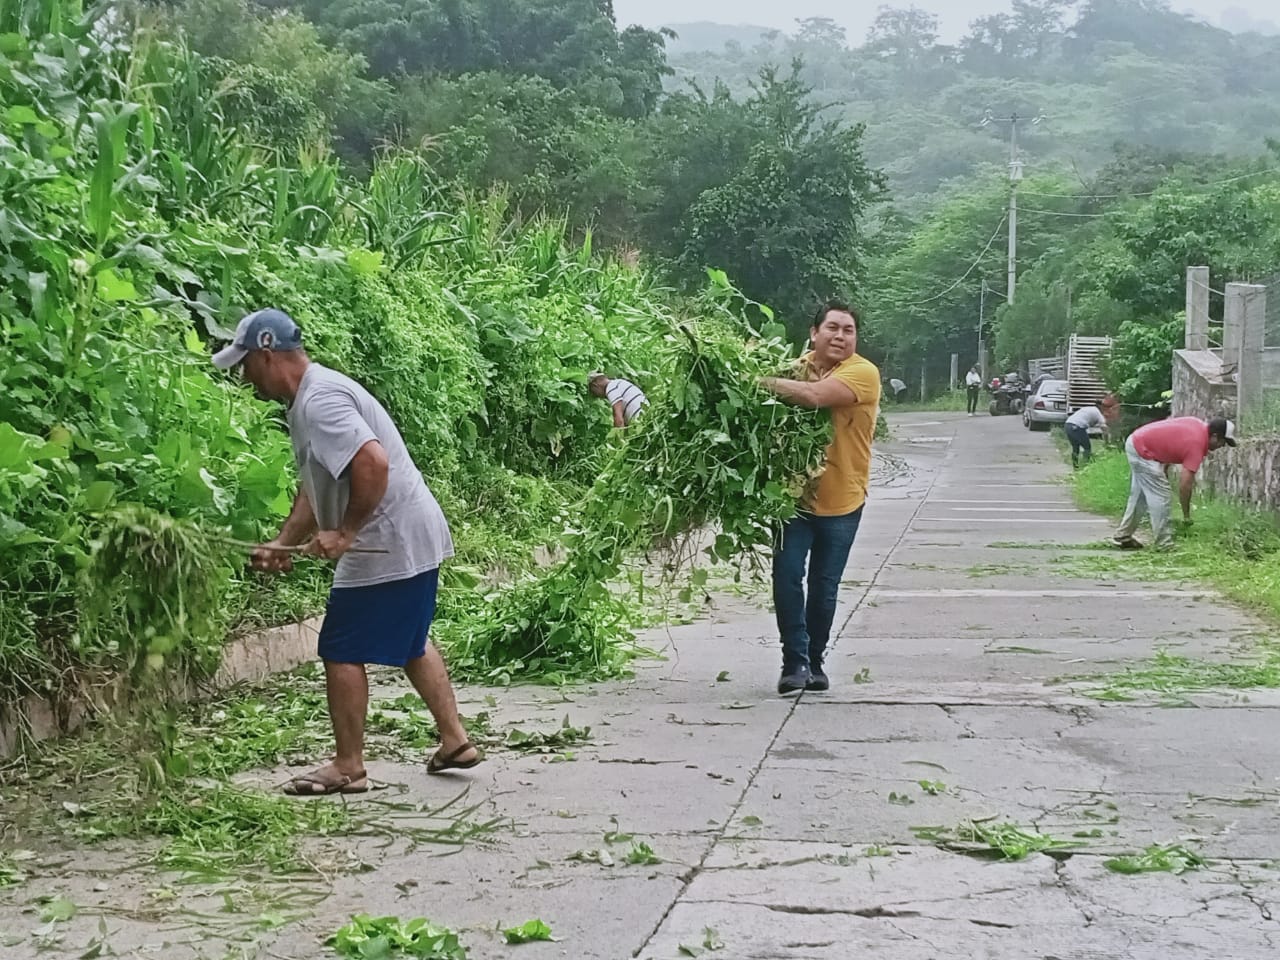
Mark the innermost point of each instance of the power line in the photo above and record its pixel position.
(973, 266)
(1055, 213)
(1144, 193)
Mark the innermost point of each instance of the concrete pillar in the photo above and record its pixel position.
(1253, 310)
(955, 371)
(1233, 321)
(1197, 337)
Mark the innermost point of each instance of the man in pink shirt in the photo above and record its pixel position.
(1152, 449)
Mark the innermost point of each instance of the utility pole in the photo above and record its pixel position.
(1015, 175)
(982, 344)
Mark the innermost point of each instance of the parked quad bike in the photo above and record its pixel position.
(1008, 396)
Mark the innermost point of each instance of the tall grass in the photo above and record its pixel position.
(952, 400)
(1233, 547)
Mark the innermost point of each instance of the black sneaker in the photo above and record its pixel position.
(818, 680)
(794, 682)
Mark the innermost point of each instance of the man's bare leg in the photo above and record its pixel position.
(429, 677)
(347, 687)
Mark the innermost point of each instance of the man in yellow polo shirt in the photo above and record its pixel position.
(832, 377)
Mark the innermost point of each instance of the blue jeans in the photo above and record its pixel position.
(1078, 437)
(805, 626)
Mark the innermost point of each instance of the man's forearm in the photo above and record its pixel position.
(300, 524)
(795, 391)
(1186, 484)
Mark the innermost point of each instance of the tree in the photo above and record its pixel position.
(571, 43)
(907, 36)
(555, 153)
(279, 80)
(780, 201)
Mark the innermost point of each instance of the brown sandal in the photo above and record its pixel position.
(438, 764)
(313, 785)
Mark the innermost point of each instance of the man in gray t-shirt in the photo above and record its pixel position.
(364, 504)
(330, 419)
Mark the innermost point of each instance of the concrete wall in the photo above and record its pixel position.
(1271, 367)
(1200, 387)
(1251, 472)
(247, 659)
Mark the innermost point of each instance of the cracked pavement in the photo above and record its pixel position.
(773, 816)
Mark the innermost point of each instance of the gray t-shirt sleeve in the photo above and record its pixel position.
(336, 430)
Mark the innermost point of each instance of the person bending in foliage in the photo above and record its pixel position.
(833, 377)
(625, 398)
(360, 490)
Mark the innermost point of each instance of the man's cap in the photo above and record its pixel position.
(1224, 428)
(268, 329)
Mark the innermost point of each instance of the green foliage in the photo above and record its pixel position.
(915, 308)
(1228, 545)
(375, 938)
(555, 152)
(1115, 271)
(528, 932)
(988, 838)
(572, 43)
(1106, 71)
(1140, 365)
(1158, 858)
(712, 448)
(140, 220)
(642, 855)
(220, 831)
(107, 397)
(11, 872)
(157, 583)
(776, 194)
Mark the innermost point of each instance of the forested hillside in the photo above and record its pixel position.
(1103, 73)
(1144, 138)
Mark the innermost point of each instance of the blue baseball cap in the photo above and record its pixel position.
(268, 329)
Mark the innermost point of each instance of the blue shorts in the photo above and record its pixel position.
(385, 623)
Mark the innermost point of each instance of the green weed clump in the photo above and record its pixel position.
(367, 937)
(1158, 858)
(1004, 840)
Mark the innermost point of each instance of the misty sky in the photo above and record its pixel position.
(856, 15)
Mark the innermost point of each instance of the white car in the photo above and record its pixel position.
(1047, 406)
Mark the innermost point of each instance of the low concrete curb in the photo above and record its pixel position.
(249, 658)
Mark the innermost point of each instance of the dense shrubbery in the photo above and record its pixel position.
(136, 221)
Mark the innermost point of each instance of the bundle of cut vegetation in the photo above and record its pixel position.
(712, 451)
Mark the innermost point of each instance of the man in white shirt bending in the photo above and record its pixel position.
(1081, 422)
(624, 397)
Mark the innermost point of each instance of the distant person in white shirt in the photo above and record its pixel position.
(973, 386)
(898, 387)
(1081, 422)
(624, 397)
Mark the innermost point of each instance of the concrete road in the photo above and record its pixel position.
(788, 828)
